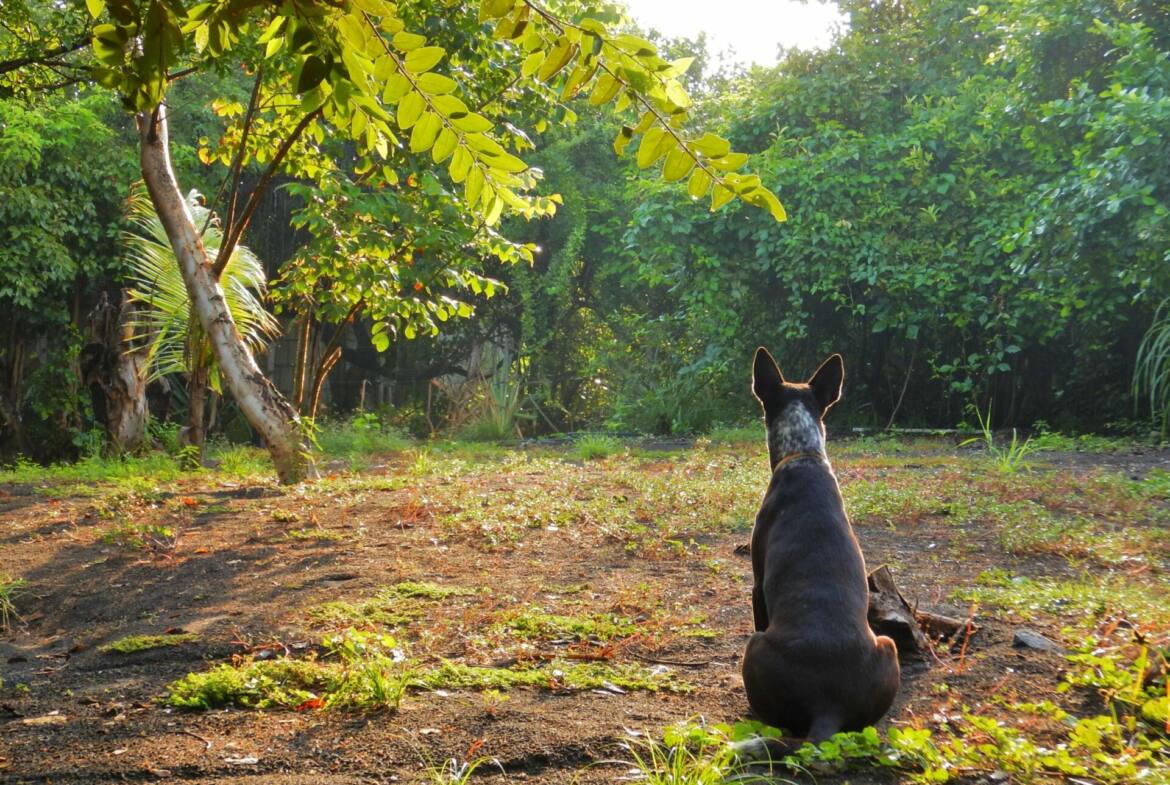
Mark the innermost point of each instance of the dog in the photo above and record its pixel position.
(813, 666)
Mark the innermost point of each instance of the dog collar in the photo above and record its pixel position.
(792, 456)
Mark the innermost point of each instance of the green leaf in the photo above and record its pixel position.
(460, 164)
(95, 7)
(730, 161)
(436, 84)
(494, 211)
(471, 123)
(622, 140)
(396, 87)
(604, 89)
(506, 162)
(450, 106)
(313, 71)
(424, 59)
(558, 58)
(409, 109)
(720, 196)
(405, 42)
(532, 63)
(655, 143)
(444, 145)
(762, 197)
(678, 165)
(711, 145)
(274, 27)
(699, 184)
(494, 9)
(377, 7)
(353, 32)
(474, 185)
(424, 133)
(357, 67)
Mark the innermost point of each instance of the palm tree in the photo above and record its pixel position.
(1152, 367)
(178, 344)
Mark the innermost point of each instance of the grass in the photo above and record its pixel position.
(355, 670)
(695, 754)
(317, 534)
(135, 643)
(557, 675)
(424, 590)
(393, 606)
(359, 438)
(1082, 602)
(534, 623)
(240, 462)
(10, 589)
(385, 610)
(593, 446)
(1008, 459)
(1117, 738)
(358, 670)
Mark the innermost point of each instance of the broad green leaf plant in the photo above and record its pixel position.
(366, 70)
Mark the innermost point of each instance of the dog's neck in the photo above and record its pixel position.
(794, 433)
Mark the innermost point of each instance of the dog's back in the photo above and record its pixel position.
(813, 667)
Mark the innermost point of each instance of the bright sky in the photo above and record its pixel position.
(753, 28)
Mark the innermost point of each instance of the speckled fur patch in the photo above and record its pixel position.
(795, 430)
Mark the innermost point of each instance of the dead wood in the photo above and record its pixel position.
(912, 630)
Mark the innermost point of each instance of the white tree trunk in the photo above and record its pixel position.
(261, 403)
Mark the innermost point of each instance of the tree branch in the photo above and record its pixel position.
(44, 58)
(237, 169)
(232, 240)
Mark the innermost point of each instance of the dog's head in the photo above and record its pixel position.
(793, 411)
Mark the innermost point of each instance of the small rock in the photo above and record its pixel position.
(1030, 639)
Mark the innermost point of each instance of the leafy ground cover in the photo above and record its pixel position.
(575, 614)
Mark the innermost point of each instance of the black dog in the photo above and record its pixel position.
(813, 666)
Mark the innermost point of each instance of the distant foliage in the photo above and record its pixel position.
(62, 181)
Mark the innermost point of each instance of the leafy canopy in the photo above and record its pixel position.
(373, 71)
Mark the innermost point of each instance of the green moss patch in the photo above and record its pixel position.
(534, 624)
(134, 643)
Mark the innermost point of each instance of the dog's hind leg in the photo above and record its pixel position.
(759, 608)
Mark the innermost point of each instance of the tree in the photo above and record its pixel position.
(359, 68)
(61, 187)
(168, 324)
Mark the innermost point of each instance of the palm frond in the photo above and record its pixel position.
(166, 321)
(1152, 367)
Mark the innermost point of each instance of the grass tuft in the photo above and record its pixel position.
(595, 445)
(10, 589)
(136, 643)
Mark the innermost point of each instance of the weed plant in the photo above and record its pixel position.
(10, 589)
(1122, 744)
(360, 437)
(594, 445)
(241, 462)
(1009, 459)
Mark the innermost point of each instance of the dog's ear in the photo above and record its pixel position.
(766, 379)
(826, 382)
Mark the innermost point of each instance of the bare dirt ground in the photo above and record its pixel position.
(649, 538)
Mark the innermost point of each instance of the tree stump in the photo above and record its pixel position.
(912, 630)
